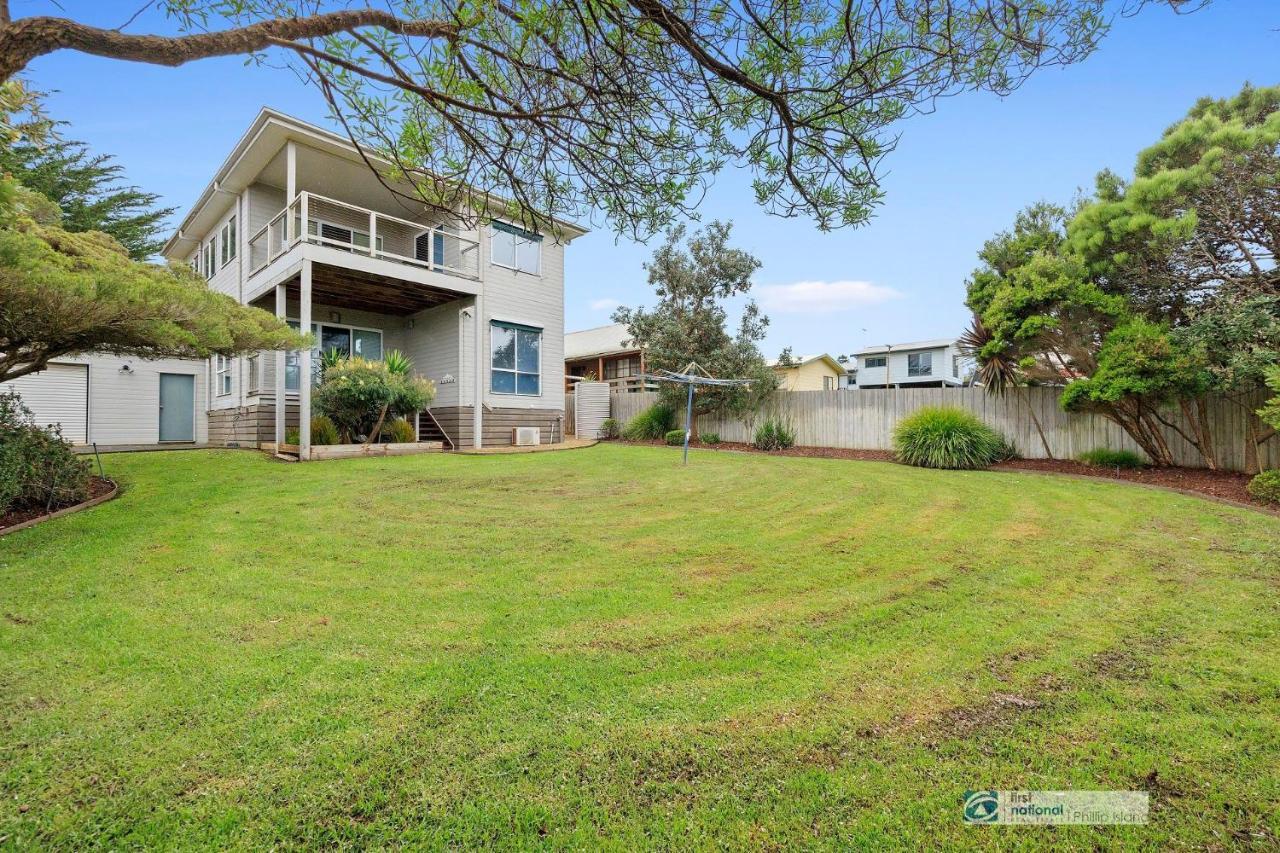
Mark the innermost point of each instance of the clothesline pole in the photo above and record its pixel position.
(688, 424)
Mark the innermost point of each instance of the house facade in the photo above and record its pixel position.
(917, 364)
(295, 222)
(606, 353)
(809, 373)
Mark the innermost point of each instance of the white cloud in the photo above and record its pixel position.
(604, 304)
(814, 297)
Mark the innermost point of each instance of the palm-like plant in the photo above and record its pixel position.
(397, 363)
(998, 369)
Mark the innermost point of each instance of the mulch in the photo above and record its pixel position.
(1221, 485)
(97, 488)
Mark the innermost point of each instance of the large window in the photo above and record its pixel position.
(348, 340)
(875, 361)
(517, 359)
(920, 364)
(228, 238)
(222, 375)
(515, 248)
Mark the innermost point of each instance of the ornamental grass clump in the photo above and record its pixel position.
(947, 437)
(1105, 457)
(653, 423)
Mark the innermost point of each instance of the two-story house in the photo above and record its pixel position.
(918, 364)
(295, 222)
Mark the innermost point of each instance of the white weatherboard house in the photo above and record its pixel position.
(919, 364)
(295, 222)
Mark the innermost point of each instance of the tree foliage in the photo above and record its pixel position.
(693, 282)
(90, 192)
(65, 293)
(1154, 291)
(625, 107)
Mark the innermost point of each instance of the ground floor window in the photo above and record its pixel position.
(347, 340)
(222, 375)
(516, 359)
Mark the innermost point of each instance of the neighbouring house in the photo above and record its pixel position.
(919, 364)
(294, 222)
(809, 373)
(607, 354)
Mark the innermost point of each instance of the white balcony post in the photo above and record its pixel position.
(477, 409)
(281, 312)
(373, 234)
(303, 219)
(290, 184)
(304, 367)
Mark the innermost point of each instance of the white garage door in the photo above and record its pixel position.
(58, 395)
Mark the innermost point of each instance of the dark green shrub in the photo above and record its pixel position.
(38, 468)
(1266, 486)
(947, 437)
(610, 428)
(709, 438)
(399, 431)
(293, 436)
(773, 434)
(1108, 458)
(674, 437)
(652, 423)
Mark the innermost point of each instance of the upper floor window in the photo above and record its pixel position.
(875, 361)
(228, 237)
(955, 365)
(517, 359)
(210, 254)
(515, 248)
(920, 364)
(222, 375)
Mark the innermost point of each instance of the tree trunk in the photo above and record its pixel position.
(1035, 419)
(377, 428)
(1197, 420)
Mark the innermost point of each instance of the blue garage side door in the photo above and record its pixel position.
(177, 407)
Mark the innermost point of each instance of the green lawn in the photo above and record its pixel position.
(600, 647)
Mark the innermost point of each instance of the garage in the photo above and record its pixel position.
(58, 395)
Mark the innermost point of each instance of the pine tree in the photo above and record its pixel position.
(91, 191)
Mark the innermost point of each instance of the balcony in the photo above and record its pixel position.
(361, 231)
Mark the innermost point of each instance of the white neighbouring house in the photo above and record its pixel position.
(918, 364)
(294, 222)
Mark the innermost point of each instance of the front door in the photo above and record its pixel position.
(177, 407)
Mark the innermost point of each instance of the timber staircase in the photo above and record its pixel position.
(429, 429)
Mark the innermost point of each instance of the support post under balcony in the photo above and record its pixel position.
(477, 408)
(281, 312)
(304, 358)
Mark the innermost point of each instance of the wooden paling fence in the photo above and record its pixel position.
(865, 420)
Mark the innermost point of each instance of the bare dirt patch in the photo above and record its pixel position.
(98, 487)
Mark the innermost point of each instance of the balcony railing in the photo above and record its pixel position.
(357, 229)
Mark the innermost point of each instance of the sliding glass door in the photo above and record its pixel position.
(347, 340)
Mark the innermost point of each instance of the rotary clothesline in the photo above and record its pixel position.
(689, 378)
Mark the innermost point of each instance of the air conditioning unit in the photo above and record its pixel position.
(525, 436)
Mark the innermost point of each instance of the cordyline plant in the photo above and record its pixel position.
(625, 108)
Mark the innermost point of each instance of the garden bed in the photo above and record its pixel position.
(100, 490)
(1223, 485)
(348, 451)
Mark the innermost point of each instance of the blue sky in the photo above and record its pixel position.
(958, 175)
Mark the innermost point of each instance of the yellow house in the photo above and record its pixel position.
(809, 373)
